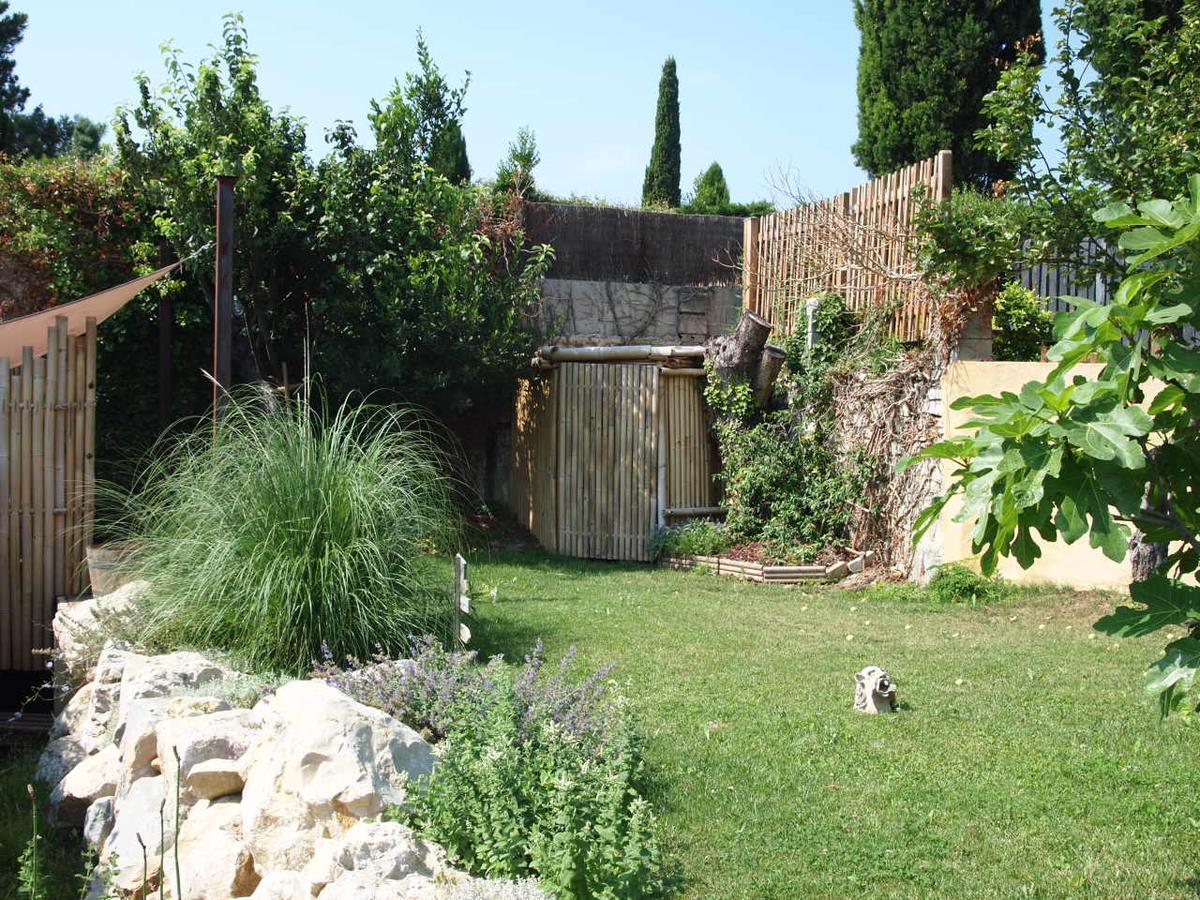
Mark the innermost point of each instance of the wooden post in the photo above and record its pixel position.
(750, 265)
(223, 299)
(944, 175)
(461, 634)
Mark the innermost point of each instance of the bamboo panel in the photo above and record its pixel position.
(47, 488)
(821, 246)
(585, 457)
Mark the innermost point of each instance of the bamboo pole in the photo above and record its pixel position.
(48, 469)
(69, 486)
(15, 575)
(6, 596)
(37, 552)
(26, 482)
(628, 353)
(60, 433)
(89, 439)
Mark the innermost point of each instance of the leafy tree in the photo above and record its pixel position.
(12, 95)
(710, 193)
(1020, 327)
(69, 228)
(1121, 99)
(1074, 456)
(661, 185)
(923, 71)
(431, 282)
(515, 172)
(435, 110)
(211, 120)
(35, 133)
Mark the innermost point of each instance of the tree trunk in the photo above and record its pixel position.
(736, 355)
(769, 364)
(1145, 557)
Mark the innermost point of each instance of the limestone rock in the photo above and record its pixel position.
(97, 726)
(74, 712)
(389, 850)
(224, 735)
(282, 886)
(98, 822)
(369, 886)
(92, 779)
(214, 778)
(160, 676)
(138, 741)
(214, 863)
(195, 705)
(60, 757)
(324, 761)
(75, 624)
(140, 812)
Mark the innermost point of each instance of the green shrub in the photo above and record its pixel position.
(1020, 327)
(952, 583)
(786, 487)
(698, 538)
(955, 583)
(289, 530)
(538, 774)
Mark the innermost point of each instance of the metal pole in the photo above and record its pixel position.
(223, 301)
(166, 319)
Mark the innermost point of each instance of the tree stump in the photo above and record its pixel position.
(735, 356)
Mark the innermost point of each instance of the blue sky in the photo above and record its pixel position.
(763, 85)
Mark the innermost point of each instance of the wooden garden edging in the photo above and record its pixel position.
(765, 574)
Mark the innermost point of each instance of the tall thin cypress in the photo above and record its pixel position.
(661, 186)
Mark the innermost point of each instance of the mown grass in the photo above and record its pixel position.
(1026, 761)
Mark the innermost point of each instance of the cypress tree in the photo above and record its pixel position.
(448, 155)
(924, 67)
(710, 193)
(661, 185)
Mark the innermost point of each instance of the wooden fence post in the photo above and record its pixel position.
(750, 228)
(462, 603)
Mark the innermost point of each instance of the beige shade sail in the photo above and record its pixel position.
(32, 330)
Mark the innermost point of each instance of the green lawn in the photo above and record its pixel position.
(1026, 761)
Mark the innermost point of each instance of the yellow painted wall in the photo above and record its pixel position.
(1077, 565)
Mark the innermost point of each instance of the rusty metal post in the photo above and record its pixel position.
(166, 322)
(223, 299)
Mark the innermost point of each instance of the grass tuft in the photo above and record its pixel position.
(288, 530)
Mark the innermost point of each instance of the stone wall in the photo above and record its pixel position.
(184, 789)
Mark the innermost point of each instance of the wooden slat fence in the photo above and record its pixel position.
(856, 244)
(47, 480)
(586, 461)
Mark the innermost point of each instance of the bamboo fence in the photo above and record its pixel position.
(857, 244)
(600, 451)
(47, 481)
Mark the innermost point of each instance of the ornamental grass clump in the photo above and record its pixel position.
(288, 529)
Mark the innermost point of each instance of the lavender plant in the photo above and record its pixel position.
(540, 772)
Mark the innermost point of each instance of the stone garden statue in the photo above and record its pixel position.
(875, 692)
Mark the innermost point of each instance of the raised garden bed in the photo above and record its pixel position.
(768, 574)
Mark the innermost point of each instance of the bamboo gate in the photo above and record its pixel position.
(47, 478)
(855, 244)
(605, 453)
